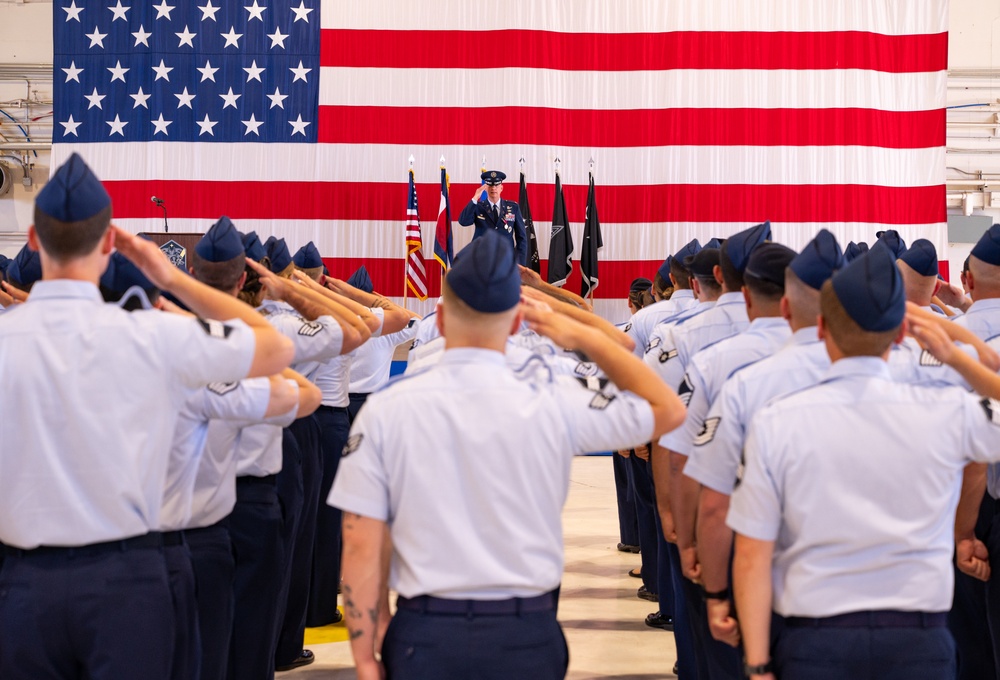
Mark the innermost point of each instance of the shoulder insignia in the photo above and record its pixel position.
(353, 442)
(601, 401)
(222, 388)
(627, 328)
(310, 328)
(667, 355)
(928, 359)
(654, 343)
(685, 391)
(586, 369)
(216, 329)
(594, 384)
(707, 433)
(412, 322)
(740, 470)
(992, 409)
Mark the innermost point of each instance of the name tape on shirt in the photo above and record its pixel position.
(215, 329)
(707, 433)
(353, 442)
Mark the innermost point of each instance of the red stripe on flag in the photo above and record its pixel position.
(632, 128)
(740, 203)
(634, 51)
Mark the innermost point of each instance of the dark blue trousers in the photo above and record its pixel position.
(358, 400)
(864, 654)
(628, 525)
(969, 618)
(291, 630)
(214, 567)
(187, 637)
(421, 646)
(255, 527)
(334, 428)
(716, 660)
(646, 519)
(95, 613)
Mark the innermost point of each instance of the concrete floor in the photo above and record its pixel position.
(599, 611)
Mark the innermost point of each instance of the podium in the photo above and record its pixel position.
(176, 246)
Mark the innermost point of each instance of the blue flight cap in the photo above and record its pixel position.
(855, 250)
(121, 275)
(493, 177)
(361, 280)
(640, 284)
(890, 237)
(871, 290)
(73, 193)
(819, 260)
(702, 264)
(664, 270)
(307, 257)
(277, 252)
(252, 247)
(739, 246)
(4, 263)
(221, 243)
(692, 247)
(987, 248)
(768, 262)
(26, 267)
(922, 257)
(486, 277)
(713, 242)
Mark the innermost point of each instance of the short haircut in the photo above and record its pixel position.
(765, 291)
(63, 241)
(709, 284)
(847, 335)
(219, 275)
(731, 277)
(682, 277)
(803, 299)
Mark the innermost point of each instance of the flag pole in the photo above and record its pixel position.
(442, 268)
(406, 257)
(591, 288)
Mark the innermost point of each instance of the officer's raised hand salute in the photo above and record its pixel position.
(496, 214)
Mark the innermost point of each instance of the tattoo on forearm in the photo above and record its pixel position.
(373, 615)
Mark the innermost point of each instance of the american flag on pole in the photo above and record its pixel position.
(706, 117)
(416, 273)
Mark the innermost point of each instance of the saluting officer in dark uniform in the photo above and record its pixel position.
(495, 213)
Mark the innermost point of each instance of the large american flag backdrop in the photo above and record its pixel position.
(297, 118)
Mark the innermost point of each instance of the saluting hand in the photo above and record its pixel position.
(277, 288)
(13, 295)
(931, 337)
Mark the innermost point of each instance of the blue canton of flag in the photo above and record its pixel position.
(139, 72)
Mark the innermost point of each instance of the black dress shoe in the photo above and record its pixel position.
(337, 618)
(635, 573)
(305, 658)
(644, 594)
(675, 671)
(660, 620)
(624, 547)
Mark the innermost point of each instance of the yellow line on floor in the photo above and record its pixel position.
(335, 632)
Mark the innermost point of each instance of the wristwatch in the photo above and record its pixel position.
(758, 669)
(718, 595)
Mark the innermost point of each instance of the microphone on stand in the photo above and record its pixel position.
(159, 203)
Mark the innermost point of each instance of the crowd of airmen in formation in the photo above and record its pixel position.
(804, 445)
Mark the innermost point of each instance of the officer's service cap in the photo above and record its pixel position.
(871, 290)
(221, 243)
(855, 250)
(703, 263)
(640, 284)
(493, 177)
(486, 276)
(73, 193)
(308, 257)
(922, 258)
(891, 238)
(739, 246)
(26, 267)
(252, 246)
(121, 275)
(818, 260)
(277, 253)
(768, 262)
(361, 280)
(987, 248)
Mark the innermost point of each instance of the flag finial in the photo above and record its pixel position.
(442, 160)
(412, 159)
(558, 163)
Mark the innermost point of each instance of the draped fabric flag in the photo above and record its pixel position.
(444, 251)
(592, 244)
(529, 226)
(416, 274)
(707, 117)
(560, 240)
